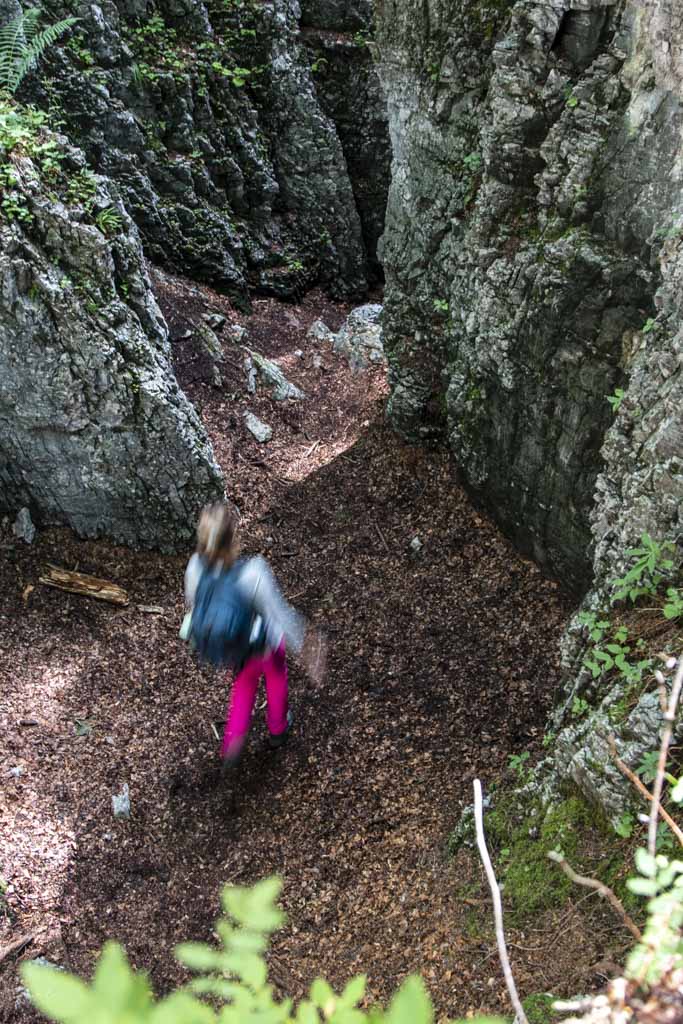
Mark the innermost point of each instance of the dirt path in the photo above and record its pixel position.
(440, 666)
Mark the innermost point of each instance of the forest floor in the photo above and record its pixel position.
(441, 665)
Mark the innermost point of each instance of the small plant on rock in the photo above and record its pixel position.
(616, 399)
(22, 45)
(673, 607)
(518, 764)
(652, 565)
(109, 221)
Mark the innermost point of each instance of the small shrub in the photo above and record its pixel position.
(231, 986)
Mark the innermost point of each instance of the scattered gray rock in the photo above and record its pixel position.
(416, 545)
(237, 333)
(298, 353)
(214, 320)
(360, 337)
(273, 377)
(17, 771)
(261, 431)
(209, 342)
(252, 374)
(121, 802)
(318, 331)
(23, 527)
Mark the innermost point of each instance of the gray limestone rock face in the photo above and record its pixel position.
(534, 259)
(533, 164)
(94, 431)
(349, 92)
(207, 117)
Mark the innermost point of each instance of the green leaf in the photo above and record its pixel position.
(116, 986)
(247, 966)
(198, 956)
(646, 863)
(60, 996)
(347, 1015)
(354, 991)
(182, 1008)
(307, 1014)
(322, 996)
(411, 1004)
(642, 886)
(604, 656)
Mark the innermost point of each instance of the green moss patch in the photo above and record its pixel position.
(520, 844)
(539, 1008)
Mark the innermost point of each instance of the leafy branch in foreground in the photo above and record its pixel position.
(22, 45)
(232, 980)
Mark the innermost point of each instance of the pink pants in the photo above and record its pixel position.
(238, 719)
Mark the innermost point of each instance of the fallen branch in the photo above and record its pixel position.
(16, 947)
(87, 586)
(642, 789)
(604, 890)
(667, 732)
(521, 1017)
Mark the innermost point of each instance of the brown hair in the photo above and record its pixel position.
(217, 533)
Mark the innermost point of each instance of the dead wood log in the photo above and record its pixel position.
(87, 586)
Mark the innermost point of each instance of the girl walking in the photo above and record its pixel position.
(272, 625)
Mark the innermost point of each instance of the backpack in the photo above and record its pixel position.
(224, 629)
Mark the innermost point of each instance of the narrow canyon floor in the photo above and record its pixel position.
(441, 665)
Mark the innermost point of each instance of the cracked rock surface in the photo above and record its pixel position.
(94, 430)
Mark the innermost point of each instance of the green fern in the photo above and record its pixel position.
(22, 46)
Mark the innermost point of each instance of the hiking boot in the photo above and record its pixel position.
(279, 741)
(229, 766)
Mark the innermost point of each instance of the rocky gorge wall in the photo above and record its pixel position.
(535, 175)
(194, 130)
(534, 260)
(207, 117)
(94, 430)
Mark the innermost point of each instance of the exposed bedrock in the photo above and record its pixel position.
(534, 204)
(94, 432)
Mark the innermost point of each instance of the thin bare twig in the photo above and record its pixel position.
(642, 789)
(604, 890)
(497, 905)
(381, 537)
(667, 732)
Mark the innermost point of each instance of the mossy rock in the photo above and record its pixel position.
(531, 883)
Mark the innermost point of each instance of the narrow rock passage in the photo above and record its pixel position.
(441, 664)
